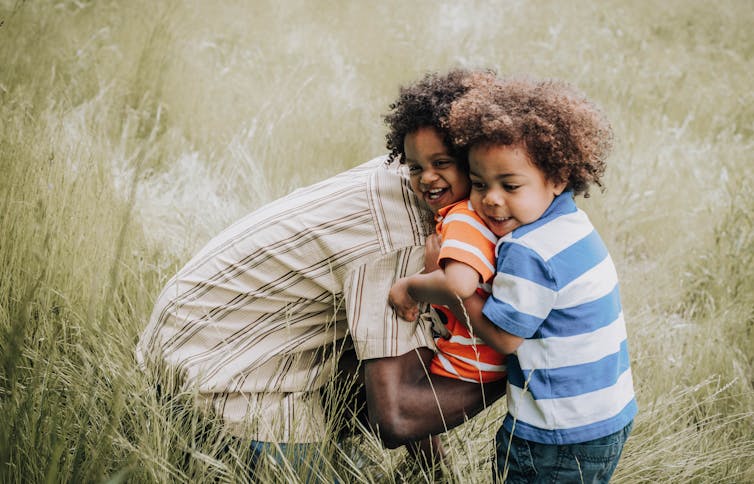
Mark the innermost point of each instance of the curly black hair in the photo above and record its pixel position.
(426, 103)
(566, 135)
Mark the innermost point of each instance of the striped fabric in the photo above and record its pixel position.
(465, 238)
(251, 321)
(570, 380)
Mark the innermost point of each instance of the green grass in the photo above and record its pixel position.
(131, 132)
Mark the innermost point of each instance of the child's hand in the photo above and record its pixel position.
(399, 298)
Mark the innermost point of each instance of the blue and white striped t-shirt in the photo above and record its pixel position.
(556, 286)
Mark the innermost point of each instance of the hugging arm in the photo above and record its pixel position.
(406, 402)
(500, 340)
(442, 287)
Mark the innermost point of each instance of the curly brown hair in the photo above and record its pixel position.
(566, 135)
(426, 103)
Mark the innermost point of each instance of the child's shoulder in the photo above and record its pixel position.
(460, 207)
(550, 236)
(461, 211)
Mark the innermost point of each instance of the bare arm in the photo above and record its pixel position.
(431, 253)
(442, 287)
(405, 402)
(500, 340)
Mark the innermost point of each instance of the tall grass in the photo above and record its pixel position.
(131, 132)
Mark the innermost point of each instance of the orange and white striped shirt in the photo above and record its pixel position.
(465, 238)
(252, 321)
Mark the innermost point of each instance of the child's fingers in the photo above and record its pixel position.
(409, 314)
(414, 313)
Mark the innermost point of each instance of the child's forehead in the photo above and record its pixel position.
(425, 145)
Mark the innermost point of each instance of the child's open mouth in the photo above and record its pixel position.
(435, 193)
(500, 225)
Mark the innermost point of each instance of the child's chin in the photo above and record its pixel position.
(436, 205)
(501, 229)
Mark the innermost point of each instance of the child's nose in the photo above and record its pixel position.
(428, 176)
(493, 198)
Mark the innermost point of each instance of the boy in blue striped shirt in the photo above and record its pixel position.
(555, 305)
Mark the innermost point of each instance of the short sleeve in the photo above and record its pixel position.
(466, 239)
(376, 330)
(523, 291)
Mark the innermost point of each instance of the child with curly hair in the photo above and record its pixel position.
(555, 306)
(438, 175)
(466, 256)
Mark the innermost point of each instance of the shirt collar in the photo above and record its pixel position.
(561, 205)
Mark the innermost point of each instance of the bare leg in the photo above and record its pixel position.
(427, 451)
(407, 404)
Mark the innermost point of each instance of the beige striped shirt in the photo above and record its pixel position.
(250, 322)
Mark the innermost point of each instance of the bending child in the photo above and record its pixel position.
(555, 305)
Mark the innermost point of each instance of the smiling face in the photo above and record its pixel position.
(507, 189)
(437, 177)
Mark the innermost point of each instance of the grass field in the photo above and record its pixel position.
(131, 132)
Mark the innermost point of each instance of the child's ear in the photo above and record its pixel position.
(558, 188)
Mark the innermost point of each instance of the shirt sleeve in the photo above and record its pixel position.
(466, 239)
(376, 330)
(523, 291)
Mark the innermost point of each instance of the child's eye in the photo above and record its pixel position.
(510, 188)
(443, 163)
(479, 186)
(414, 169)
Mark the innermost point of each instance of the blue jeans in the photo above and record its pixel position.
(532, 462)
(306, 459)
